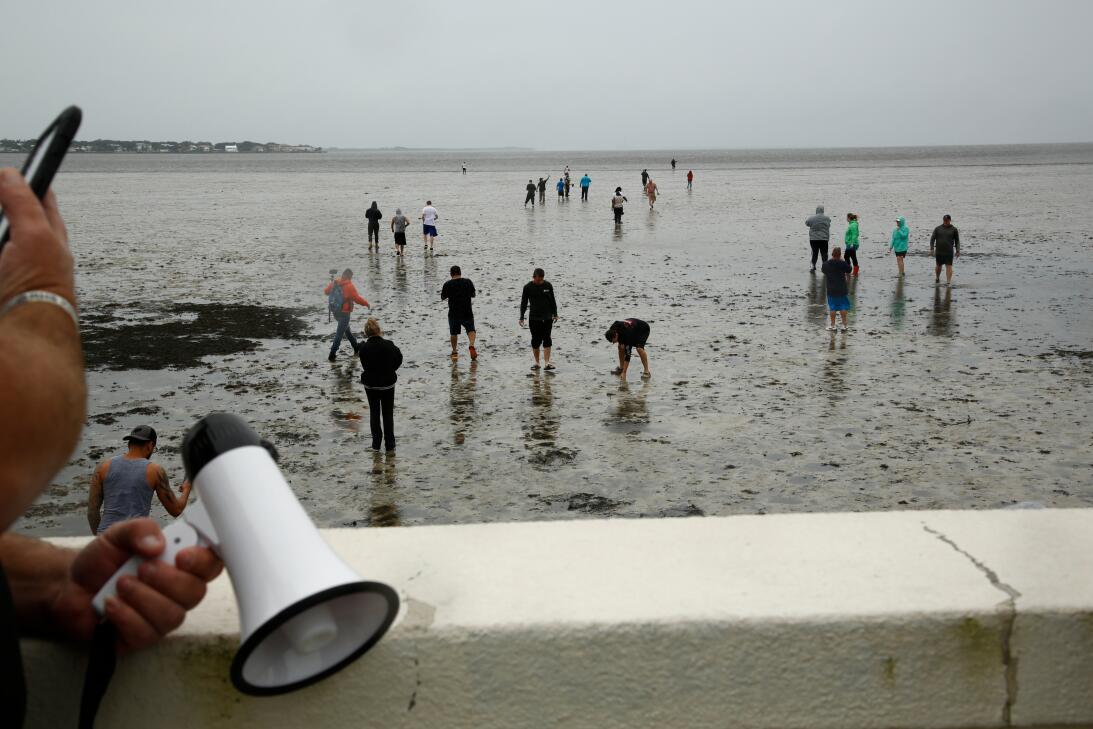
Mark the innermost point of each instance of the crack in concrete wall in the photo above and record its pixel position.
(1009, 661)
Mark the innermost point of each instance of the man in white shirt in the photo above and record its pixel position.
(429, 217)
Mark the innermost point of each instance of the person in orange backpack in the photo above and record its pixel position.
(341, 295)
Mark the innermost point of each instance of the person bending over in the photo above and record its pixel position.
(629, 334)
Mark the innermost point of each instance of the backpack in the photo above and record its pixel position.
(336, 299)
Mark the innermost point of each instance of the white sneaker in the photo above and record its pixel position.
(842, 328)
(830, 327)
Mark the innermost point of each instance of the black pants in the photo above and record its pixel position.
(584, 193)
(382, 402)
(530, 199)
(852, 256)
(819, 247)
(618, 215)
(542, 195)
(373, 230)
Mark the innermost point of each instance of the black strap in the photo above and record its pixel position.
(100, 669)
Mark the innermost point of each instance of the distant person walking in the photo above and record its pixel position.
(122, 487)
(342, 296)
(531, 194)
(690, 179)
(850, 240)
(585, 182)
(651, 192)
(544, 312)
(838, 298)
(374, 215)
(542, 190)
(945, 246)
(629, 334)
(399, 224)
(561, 188)
(379, 358)
(819, 232)
(644, 178)
(458, 292)
(464, 168)
(429, 216)
(673, 163)
(567, 185)
(616, 205)
(901, 241)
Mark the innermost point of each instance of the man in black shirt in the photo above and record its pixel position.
(531, 194)
(544, 312)
(945, 246)
(459, 291)
(629, 334)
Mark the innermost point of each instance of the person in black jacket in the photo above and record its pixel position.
(544, 312)
(374, 215)
(380, 358)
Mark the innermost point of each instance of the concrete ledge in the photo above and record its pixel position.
(910, 619)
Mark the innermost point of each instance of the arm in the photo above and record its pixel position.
(157, 479)
(396, 357)
(523, 303)
(444, 291)
(95, 497)
(553, 305)
(473, 292)
(353, 295)
(956, 241)
(933, 239)
(41, 365)
(329, 288)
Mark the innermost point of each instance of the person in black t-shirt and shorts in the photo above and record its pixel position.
(544, 312)
(629, 334)
(459, 291)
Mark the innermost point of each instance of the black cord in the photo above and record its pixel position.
(100, 669)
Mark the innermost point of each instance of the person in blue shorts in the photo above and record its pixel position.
(561, 187)
(429, 216)
(835, 271)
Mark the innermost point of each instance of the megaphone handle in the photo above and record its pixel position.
(179, 535)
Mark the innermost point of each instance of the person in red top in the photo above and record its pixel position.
(690, 179)
(349, 296)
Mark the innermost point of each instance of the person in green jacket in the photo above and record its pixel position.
(850, 240)
(900, 239)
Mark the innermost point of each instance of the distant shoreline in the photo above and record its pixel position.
(144, 146)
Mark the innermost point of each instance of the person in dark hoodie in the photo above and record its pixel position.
(380, 358)
(531, 194)
(944, 246)
(819, 232)
(373, 214)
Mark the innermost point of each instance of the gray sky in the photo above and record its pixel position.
(556, 74)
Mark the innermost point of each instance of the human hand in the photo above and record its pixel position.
(146, 607)
(36, 257)
(522, 322)
(555, 317)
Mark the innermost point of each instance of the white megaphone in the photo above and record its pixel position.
(303, 613)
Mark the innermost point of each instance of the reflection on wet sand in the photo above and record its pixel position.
(941, 319)
(630, 405)
(540, 426)
(461, 394)
(898, 307)
(400, 274)
(384, 509)
(835, 365)
(816, 303)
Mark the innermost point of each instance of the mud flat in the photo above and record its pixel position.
(201, 288)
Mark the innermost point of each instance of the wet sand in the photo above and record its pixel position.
(201, 290)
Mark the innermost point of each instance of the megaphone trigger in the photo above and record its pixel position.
(179, 535)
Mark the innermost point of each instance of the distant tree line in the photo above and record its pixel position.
(147, 146)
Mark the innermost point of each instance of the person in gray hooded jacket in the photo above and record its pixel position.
(819, 232)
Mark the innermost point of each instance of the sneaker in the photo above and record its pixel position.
(812, 270)
(549, 366)
(646, 375)
(535, 366)
(474, 352)
(843, 328)
(617, 371)
(830, 327)
(855, 270)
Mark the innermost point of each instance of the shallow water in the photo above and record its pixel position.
(978, 396)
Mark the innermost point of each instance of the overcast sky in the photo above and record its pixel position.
(556, 74)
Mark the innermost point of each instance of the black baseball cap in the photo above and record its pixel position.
(143, 433)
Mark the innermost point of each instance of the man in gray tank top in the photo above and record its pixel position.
(122, 487)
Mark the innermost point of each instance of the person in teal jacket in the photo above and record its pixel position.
(850, 240)
(900, 240)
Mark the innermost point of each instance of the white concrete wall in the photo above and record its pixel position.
(911, 619)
